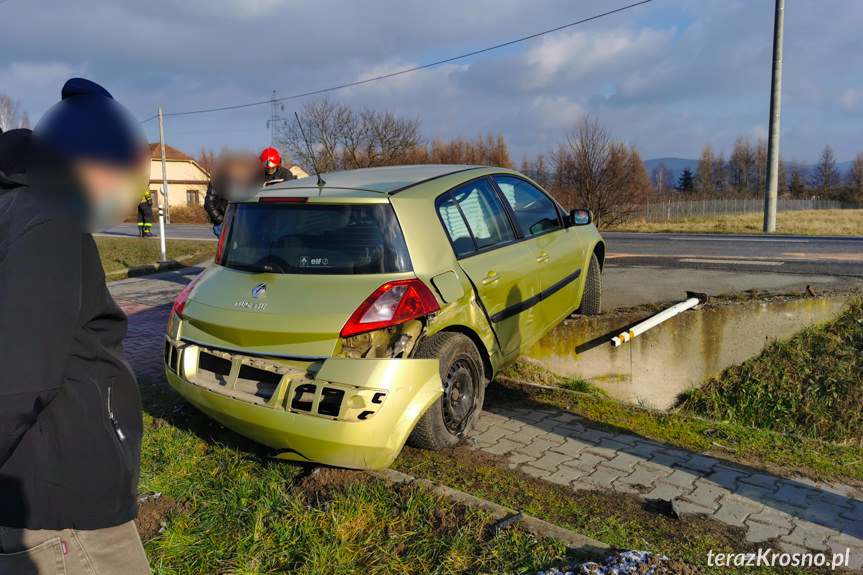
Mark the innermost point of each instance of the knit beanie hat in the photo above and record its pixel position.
(89, 124)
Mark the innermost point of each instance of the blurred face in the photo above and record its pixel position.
(236, 176)
(111, 191)
(240, 172)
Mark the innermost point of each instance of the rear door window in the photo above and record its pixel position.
(299, 238)
(534, 211)
(474, 218)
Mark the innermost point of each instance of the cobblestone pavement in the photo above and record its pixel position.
(147, 302)
(562, 448)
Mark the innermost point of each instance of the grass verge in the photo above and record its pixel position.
(780, 453)
(121, 253)
(238, 511)
(809, 385)
(622, 520)
(803, 223)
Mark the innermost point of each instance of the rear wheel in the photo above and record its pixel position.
(461, 370)
(591, 300)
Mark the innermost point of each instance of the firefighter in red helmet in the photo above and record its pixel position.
(274, 172)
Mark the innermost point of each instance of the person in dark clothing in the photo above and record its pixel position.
(274, 172)
(235, 177)
(215, 205)
(13, 157)
(70, 410)
(145, 215)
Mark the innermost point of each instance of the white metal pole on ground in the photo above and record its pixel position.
(164, 190)
(693, 300)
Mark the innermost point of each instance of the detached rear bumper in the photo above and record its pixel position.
(354, 413)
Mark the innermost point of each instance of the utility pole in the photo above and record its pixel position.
(164, 202)
(775, 109)
(273, 116)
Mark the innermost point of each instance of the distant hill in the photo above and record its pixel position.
(677, 165)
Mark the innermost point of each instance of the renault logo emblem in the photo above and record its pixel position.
(259, 290)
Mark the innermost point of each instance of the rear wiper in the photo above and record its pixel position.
(252, 268)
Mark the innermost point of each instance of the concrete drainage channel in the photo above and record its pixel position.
(654, 368)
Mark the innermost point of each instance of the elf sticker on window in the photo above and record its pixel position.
(306, 261)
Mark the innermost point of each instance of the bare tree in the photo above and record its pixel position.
(741, 167)
(797, 187)
(11, 116)
(662, 179)
(593, 171)
(710, 178)
(206, 159)
(486, 150)
(342, 138)
(825, 176)
(537, 170)
(854, 179)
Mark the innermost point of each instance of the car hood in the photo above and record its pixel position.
(275, 314)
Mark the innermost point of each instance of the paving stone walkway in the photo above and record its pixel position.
(147, 302)
(562, 448)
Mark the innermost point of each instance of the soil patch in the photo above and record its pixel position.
(323, 483)
(154, 512)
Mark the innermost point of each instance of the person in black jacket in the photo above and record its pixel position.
(235, 177)
(70, 410)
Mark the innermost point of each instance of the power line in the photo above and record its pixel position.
(407, 70)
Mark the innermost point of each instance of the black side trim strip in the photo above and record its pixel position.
(530, 302)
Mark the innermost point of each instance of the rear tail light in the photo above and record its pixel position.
(391, 304)
(180, 302)
(223, 235)
(281, 200)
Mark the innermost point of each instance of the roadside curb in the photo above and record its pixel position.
(581, 544)
(138, 271)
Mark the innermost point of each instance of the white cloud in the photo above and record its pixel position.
(39, 75)
(667, 76)
(851, 101)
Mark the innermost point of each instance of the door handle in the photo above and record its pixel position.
(490, 279)
(542, 258)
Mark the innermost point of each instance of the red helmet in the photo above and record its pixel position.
(270, 158)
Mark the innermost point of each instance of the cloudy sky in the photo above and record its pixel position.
(669, 76)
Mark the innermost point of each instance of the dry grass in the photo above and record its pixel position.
(189, 214)
(804, 223)
(121, 253)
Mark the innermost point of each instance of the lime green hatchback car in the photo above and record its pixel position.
(343, 319)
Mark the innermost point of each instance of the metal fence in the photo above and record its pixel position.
(700, 209)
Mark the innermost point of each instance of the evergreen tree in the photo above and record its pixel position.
(826, 177)
(686, 181)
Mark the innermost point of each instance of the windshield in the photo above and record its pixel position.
(294, 238)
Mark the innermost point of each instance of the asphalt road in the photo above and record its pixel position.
(656, 268)
(773, 254)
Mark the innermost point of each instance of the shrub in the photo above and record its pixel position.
(189, 214)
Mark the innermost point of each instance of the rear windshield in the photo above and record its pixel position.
(315, 239)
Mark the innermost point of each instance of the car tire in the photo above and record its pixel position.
(463, 376)
(591, 299)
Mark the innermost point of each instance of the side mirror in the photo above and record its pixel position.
(580, 217)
